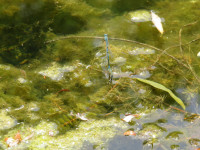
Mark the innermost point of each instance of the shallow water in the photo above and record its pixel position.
(55, 87)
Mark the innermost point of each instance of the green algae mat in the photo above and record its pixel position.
(65, 85)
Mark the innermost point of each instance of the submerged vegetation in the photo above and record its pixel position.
(56, 82)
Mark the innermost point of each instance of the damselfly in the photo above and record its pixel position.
(107, 54)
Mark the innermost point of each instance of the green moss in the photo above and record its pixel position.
(23, 29)
(21, 115)
(174, 135)
(66, 51)
(174, 146)
(126, 5)
(3, 103)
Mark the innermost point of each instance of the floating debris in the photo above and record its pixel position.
(13, 142)
(157, 22)
(28, 137)
(22, 106)
(129, 117)
(18, 137)
(129, 133)
(81, 116)
(198, 54)
(17, 141)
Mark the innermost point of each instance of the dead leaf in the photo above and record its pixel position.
(129, 133)
(128, 118)
(157, 22)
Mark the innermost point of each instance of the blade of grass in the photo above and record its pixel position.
(161, 87)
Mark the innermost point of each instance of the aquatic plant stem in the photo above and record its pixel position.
(113, 87)
(98, 37)
(183, 111)
(175, 108)
(180, 33)
(117, 39)
(138, 43)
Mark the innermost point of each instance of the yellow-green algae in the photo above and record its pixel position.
(56, 72)
(88, 85)
(7, 121)
(94, 131)
(140, 16)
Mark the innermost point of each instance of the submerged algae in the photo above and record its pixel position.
(140, 16)
(97, 132)
(88, 89)
(55, 72)
(6, 122)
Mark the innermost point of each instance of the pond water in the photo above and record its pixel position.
(65, 86)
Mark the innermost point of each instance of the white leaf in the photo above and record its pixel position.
(81, 116)
(157, 22)
(128, 118)
(198, 54)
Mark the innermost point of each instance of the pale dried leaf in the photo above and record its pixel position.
(157, 22)
(198, 54)
(128, 118)
(81, 116)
